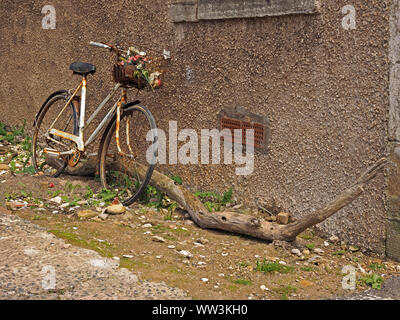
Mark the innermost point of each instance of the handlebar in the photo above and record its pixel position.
(100, 45)
(116, 49)
(110, 47)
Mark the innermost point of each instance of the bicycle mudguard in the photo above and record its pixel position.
(77, 98)
(47, 100)
(110, 123)
(113, 119)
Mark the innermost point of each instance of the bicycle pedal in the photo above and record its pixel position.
(51, 152)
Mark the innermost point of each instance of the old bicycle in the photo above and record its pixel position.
(125, 163)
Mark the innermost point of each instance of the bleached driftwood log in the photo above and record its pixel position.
(232, 221)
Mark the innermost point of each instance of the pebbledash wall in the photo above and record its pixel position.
(329, 93)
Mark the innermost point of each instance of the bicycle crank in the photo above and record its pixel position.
(74, 158)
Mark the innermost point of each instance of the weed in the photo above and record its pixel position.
(339, 253)
(29, 170)
(70, 188)
(3, 130)
(376, 266)
(373, 281)
(10, 196)
(106, 195)
(89, 193)
(53, 194)
(152, 193)
(267, 267)
(285, 291)
(310, 246)
(177, 179)
(242, 282)
(227, 197)
(10, 136)
(307, 269)
(213, 201)
(25, 194)
(309, 235)
(13, 166)
(27, 144)
(171, 211)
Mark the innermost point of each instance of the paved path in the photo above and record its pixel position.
(390, 291)
(29, 256)
(34, 264)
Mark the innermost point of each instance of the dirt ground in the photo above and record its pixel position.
(206, 264)
(165, 246)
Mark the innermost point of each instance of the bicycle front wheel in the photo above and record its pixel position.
(49, 117)
(127, 161)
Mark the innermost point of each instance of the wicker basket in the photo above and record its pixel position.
(125, 76)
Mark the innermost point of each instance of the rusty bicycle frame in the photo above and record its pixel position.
(79, 139)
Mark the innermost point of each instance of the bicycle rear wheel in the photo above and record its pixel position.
(67, 122)
(127, 172)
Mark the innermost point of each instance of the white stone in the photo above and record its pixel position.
(57, 200)
(185, 253)
(99, 263)
(296, 252)
(198, 244)
(116, 209)
(158, 239)
(334, 239)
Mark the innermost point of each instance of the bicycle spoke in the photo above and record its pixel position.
(50, 118)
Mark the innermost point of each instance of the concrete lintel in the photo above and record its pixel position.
(195, 10)
(214, 9)
(184, 10)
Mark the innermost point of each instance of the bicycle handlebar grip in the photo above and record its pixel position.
(100, 45)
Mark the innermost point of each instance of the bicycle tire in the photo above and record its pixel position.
(62, 97)
(105, 150)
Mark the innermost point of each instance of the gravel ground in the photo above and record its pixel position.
(30, 257)
(390, 291)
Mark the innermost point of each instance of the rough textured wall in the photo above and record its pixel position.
(324, 90)
(393, 169)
